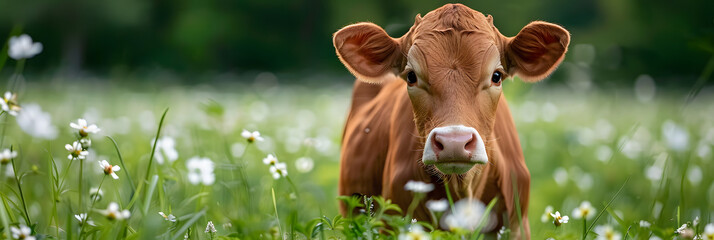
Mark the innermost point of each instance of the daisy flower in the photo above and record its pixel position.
(416, 232)
(96, 193)
(279, 170)
(437, 205)
(165, 149)
(82, 217)
(467, 215)
(418, 187)
(84, 128)
(9, 103)
(76, 151)
(708, 233)
(200, 170)
(109, 169)
(558, 219)
(270, 160)
(6, 156)
(22, 232)
(22, 47)
(546, 217)
(170, 217)
(585, 210)
(607, 233)
(251, 136)
(114, 213)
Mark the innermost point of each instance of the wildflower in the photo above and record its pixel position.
(695, 222)
(210, 228)
(645, 224)
(109, 169)
(418, 187)
(416, 232)
(437, 205)
(84, 129)
(22, 232)
(304, 164)
(607, 233)
(82, 218)
(200, 170)
(708, 233)
(114, 213)
(502, 233)
(9, 103)
(676, 136)
(279, 170)
(6, 156)
(96, 193)
(22, 47)
(546, 217)
(558, 219)
(251, 136)
(467, 215)
(32, 120)
(585, 210)
(86, 143)
(685, 232)
(270, 160)
(76, 151)
(166, 149)
(170, 217)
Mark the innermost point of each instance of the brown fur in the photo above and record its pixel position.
(454, 48)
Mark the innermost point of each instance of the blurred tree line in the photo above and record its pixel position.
(668, 40)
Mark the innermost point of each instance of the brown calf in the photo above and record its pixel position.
(429, 106)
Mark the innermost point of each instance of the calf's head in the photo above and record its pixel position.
(454, 62)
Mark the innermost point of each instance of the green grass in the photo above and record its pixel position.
(304, 121)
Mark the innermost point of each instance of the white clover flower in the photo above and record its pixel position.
(32, 120)
(546, 217)
(645, 224)
(22, 232)
(270, 160)
(84, 128)
(9, 103)
(210, 228)
(22, 47)
(418, 187)
(96, 193)
(170, 217)
(304, 164)
(708, 233)
(6, 156)
(82, 217)
(558, 219)
(109, 169)
(200, 171)
(279, 170)
(251, 136)
(165, 149)
(467, 215)
(416, 232)
(607, 233)
(76, 151)
(585, 210)
(437, 205)
(114, 213)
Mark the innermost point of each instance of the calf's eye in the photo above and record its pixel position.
(411, 78)
(496, 77)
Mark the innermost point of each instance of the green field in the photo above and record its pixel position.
(579, 146)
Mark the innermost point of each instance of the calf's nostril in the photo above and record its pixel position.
(471, 143)
(438, 145)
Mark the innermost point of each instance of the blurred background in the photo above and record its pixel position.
(194, 41)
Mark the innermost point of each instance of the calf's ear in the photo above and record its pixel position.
(368, 52)
(537, 50)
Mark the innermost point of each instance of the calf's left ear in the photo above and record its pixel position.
(368, 52)
(536, 51)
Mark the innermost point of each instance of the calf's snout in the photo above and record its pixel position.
(454, 149)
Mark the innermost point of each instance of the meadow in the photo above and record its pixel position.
(645, 156)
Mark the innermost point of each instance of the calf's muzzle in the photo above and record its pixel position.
(454, 149)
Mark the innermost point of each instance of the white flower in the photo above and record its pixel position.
(585, 210)
(676, 136)
(251, 136)
(109, 169)
(200, 171)
(645, 224)
(304, 164)
(86, 143)
(23, 232)
(681, 229)
(467, 215)
(558, 220)
(84, 128)
(685, 232)
(607, 233)
(695, 222)
(9, 103)
(418, 187)
(76, 151)
(32, 120)
(6, 156)
(708, 233)
(165, 149)
(270, 160)
(170, 217)
(96, 193)
(22, 47)
(546, 217)
(437, 205)
(114, 213)
(210, 228)
(82, 217)
(416, 232)
(279, 170)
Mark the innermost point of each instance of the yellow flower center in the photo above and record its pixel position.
(251, 139)
(108, 169)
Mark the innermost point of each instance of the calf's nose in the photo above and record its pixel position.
(454, 149)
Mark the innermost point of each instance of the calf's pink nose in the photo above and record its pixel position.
(456, 146)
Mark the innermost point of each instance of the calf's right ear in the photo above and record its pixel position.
(368, 52)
